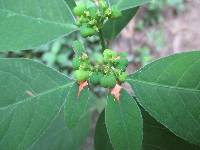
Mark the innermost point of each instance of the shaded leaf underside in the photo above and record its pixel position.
(129, 9)
(157, 137)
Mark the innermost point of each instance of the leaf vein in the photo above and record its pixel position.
(35, 96)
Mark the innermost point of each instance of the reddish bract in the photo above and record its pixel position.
(116, 91)
(81, 86)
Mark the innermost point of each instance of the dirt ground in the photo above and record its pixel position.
(181, 32)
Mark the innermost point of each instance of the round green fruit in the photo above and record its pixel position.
(87, 31)
(79, 9)
(83, 20)
(122, 77)
(121, 63)
(76, 63)
(96, 78)
(81, 75)
(108, 81)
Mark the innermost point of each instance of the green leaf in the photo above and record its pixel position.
(71, 4)
(169, 89)
(124, 122)
(101, 139)
(157, 137)
(76, 106)
(29, 24)
(129, 8)
(59, 137)
(31, 97)
(113, 27)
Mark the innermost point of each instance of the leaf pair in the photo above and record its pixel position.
(155, 136)
(168, 89)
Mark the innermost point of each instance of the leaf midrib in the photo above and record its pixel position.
(34, 18)
(163, 85)
(37, 95)
(124, 125)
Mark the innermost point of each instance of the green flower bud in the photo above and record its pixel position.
(79, 9)
(108, 12)
(87, 13)
(84, 57)
(96, 78)
(116, 13)
(87, 31)
(109, 55)
(92, 22)
(122, 77)
(81, 75)
(108, 81)
(83, 20)
(76, 63)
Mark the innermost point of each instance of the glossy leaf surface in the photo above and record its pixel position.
(76, 106)
(124, 122)
(101, 139)
(27, 24)
(59, 137)
(157, 137)
(169, 89)
(32, 97)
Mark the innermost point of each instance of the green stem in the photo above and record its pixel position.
(103, 44)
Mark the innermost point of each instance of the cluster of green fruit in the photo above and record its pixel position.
(91, 18)
(107, 73)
